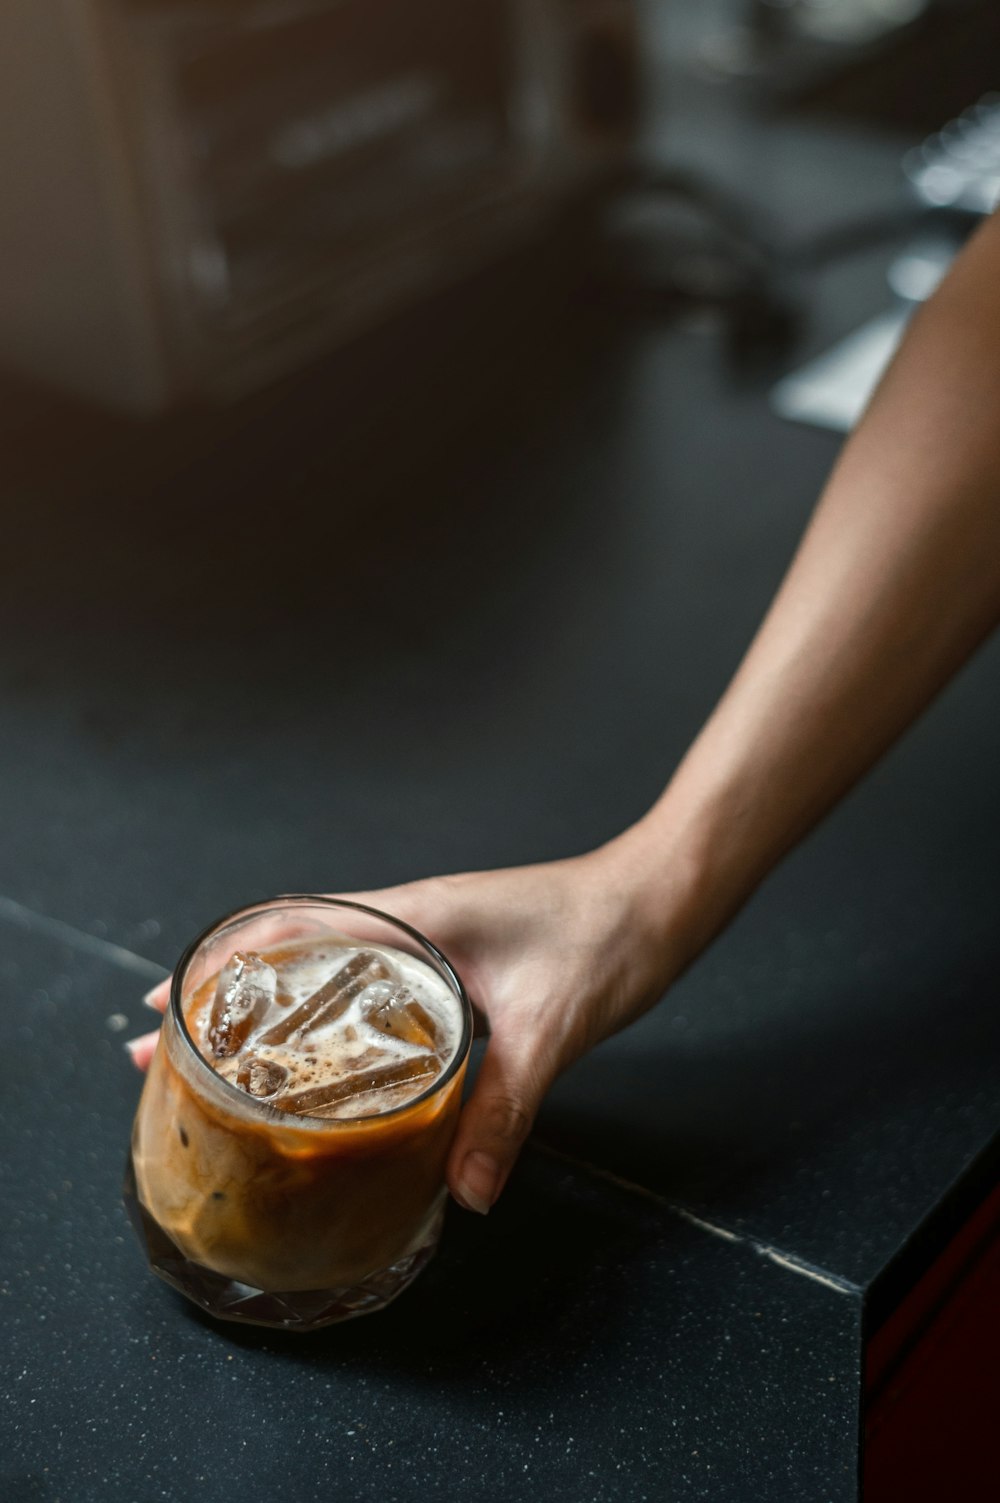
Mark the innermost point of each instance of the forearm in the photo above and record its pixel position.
(895, 583)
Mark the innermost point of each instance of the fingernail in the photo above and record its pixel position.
(131, 1045)
(479, 1182)
(147, 1000)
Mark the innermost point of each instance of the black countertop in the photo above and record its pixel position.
(585, 1341)
(370, 626)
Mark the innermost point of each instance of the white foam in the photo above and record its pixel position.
(349, 1045)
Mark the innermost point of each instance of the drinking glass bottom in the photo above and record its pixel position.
(297, 1310)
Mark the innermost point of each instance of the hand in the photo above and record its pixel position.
(556, 956)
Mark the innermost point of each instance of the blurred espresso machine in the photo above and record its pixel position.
(198, 195)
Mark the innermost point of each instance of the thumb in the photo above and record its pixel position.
(494, 1124)
(429, 905)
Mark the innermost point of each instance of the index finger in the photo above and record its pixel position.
(158, 996)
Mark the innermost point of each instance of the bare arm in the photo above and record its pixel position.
(895, 583)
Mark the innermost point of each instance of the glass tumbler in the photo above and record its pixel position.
(262, 1216)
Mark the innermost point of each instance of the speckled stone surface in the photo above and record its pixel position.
(373, 625)
(582, 1342)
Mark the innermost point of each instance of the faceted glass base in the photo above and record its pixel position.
(297, 1310)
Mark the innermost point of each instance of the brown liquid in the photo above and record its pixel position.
(246, 1187)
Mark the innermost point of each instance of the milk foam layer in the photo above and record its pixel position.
(350, 1046)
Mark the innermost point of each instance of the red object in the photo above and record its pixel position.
(932, 1379)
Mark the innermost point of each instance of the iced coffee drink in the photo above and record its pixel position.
(288, 1154)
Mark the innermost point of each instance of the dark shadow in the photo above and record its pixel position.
(919, 80)
(499, 1291)
(325, 494)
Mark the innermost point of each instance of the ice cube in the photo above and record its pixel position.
(395, 1011)
(333, 998)
(362, 1083)
(261, 1077)
(246, 989)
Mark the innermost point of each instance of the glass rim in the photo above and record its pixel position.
(295, 1120)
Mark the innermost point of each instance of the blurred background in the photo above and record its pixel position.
(384, 383)
(203, 197)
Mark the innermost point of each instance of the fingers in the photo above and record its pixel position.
(158, 996)
(141, 1049)
(492, 1129)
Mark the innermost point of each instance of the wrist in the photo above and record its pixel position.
(680, 880)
